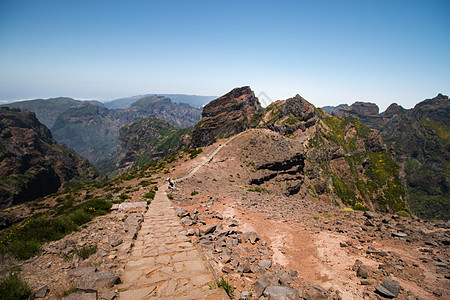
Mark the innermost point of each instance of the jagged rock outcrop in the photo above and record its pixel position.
(32, 164)
(147, 140)
(287, 116)
(228, 115)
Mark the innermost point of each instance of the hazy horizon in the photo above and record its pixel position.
(328, 52)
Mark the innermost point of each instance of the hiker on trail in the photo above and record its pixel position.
(171, 183)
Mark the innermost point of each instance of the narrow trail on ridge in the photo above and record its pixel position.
(210, 157)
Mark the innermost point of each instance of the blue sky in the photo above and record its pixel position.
(329, 52)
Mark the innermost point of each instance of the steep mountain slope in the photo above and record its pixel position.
(93, 131)
(148, 140)
(32, 164)
(192, 100)
(420, 139)
(47, 110)
(226, 116)
(340, 160)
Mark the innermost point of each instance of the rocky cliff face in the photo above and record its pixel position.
(148, 140)
(226, 116)
(32, 164)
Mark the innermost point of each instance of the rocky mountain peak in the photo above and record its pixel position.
(225, 116)
(287, 116)
(392, 110)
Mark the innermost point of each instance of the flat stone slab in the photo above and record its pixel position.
(133, 206)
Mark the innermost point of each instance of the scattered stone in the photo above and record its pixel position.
(108, 295)
(265, 264)
(227, 269)
(187, 221)
(370, 215)
(81, 296)
(206, 229)
(98, 280)
(389, 288)
(234, 223)
(181, 212)
(281, 293)
(41, 292)
(116, 242)
(363, 272)
(399, 234)
(83, 270)
(261, 284)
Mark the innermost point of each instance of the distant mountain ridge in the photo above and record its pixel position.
(47, 110)
(193, 100)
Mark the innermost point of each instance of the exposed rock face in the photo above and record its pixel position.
(226, 116)
(287, 116)
(32, 164)
(148, 139)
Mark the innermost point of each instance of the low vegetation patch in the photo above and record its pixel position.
(150, 195)
(403, 213)
(224, 284)
(194, 192)
(25, 240)
(13, 287)
(86, 251)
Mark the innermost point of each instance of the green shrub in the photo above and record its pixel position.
(86, 251)
(13, 287)
(194, 192)
(347, 209)
(150, 195)
(124, 196)
(403, 213)
(69, 291)
(224, 284)
(25, 240)
(360, 206)
(170, 197)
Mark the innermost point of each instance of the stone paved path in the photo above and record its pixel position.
(164, 264)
